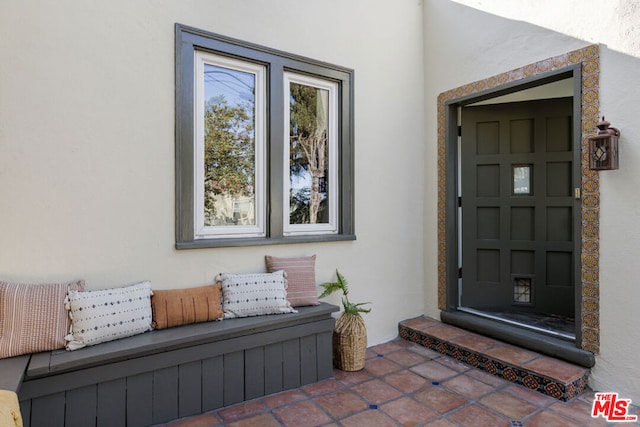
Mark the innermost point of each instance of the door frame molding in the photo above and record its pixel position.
(584, 66)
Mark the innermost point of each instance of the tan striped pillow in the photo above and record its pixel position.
(175, 307)
(301, 277)
(33, 317)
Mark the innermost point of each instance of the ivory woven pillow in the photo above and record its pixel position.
(301, 278)
(176, 307)
(33, 317)
(105, 315)
(246, 295)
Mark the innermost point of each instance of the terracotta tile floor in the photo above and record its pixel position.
(404, 384)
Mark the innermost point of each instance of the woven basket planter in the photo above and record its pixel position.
(349, 342)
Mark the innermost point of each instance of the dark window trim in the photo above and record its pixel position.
(188, 40)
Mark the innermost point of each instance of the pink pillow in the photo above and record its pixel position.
(301, 277)
(33, 317)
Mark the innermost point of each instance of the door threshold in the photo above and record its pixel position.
(554, 333)
(525, 338)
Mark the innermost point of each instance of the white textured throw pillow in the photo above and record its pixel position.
(105, 315)
(246, 295)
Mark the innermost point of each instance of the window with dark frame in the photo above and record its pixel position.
(264, 145)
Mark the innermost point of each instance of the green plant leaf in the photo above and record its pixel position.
(342, 285)
(354, 309)
(329, 288)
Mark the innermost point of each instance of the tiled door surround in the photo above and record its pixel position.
(589, 59)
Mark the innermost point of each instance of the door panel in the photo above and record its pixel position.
(518, 209)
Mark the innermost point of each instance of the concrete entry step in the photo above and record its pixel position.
(552, 377)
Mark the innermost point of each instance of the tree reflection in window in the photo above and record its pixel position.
(308, 154)
(229, 144)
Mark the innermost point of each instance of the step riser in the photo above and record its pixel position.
(557, 389)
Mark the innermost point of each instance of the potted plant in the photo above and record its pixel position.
(350, 333)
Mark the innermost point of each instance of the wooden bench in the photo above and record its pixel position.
(12, 371)
(167, 374)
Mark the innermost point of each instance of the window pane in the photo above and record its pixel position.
(308, 155)
(522, 180)
(229, 147)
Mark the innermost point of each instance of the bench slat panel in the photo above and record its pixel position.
(324, 346)
(190, 389)
(112, 404)
(140, 400)
(48, 410)
(254, 373)
(291, 364)
(233, 374)
(212, 383)
(165, 395)
(308, 365)
(273, 368)
(25, 410)
(81, 406)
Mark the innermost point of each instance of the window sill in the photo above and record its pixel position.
(261, 241)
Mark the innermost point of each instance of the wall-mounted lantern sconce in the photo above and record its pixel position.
(603, 147)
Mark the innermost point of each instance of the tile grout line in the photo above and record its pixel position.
(468, 402)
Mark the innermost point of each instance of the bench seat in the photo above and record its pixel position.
(167, 374)
(12, 371)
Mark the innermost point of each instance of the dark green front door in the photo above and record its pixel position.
(519, 207)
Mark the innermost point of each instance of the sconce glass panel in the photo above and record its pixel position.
(603, 152)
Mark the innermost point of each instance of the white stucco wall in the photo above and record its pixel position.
(471, 40)
(87, 142)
